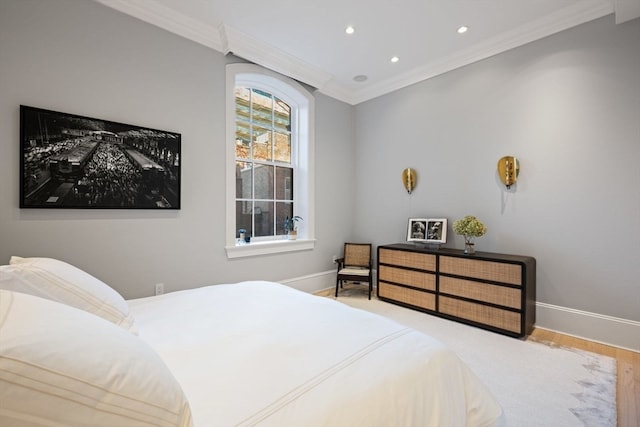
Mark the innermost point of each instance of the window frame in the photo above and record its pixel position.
(302, 105)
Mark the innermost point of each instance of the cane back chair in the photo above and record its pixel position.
(355, 265)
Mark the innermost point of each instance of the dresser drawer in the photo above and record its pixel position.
(408, 259)
(478, 313)
(417, 279)
(500, 295)
(481, 269)
(408, 296)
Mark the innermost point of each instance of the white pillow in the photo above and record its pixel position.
(58, 281)
(63, 366)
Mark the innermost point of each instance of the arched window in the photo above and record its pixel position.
(269, 161)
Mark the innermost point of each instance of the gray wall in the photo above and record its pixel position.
(568, 106)
(80, 57)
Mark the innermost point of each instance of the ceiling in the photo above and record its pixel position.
(306, 39)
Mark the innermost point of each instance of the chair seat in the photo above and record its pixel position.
(354, 271)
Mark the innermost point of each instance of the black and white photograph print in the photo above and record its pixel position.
(427, 230)
(72, 161)
(437, 230)
(417, 229)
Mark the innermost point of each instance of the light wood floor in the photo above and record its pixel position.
(628, 364)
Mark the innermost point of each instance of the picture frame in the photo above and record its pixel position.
(71, 161)
(427, 230)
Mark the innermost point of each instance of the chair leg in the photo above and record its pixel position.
(337, 283)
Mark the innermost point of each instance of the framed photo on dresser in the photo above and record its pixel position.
(427, 230)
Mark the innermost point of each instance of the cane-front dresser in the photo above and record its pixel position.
(489, 290)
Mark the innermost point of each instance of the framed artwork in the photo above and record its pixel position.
(427, 230)
(70, 161)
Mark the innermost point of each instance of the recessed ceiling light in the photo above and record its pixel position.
(360, 78)
(462, 29)
(395, 59)
(350, 30)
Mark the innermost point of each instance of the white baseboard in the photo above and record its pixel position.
(317, 282)
(595, 327)
(313, 282)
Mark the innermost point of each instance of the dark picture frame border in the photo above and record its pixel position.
(427, 230)
(136, 167)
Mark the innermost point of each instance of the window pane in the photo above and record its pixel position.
(243, 217)
(282, 116)
(263, 218)
(242, 95)
(262, 108)
(282, 151)
(284, 183)
(283, 210)
(243, 140)
(264, 181)
(261, 143)
(243, 180)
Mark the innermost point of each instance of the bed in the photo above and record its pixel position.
(243, 354)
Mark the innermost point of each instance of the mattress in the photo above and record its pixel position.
(264, 354)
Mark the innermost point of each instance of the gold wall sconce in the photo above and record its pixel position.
(508, 170)
(409, 179)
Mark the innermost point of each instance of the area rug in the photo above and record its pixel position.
(538, 385)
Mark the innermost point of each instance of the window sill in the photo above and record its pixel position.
(271, 247)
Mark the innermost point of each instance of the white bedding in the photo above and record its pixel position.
(261, 353)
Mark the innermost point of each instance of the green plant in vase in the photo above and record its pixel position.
(290, 226)
(469, 227)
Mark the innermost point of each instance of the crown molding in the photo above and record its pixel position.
(169, 20)
(626, 10)
(337, 91)
(258, 52)
(226, 39)
(562, 20)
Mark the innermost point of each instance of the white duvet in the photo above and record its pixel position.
(261, 353)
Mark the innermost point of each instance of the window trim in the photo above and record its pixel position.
(302, 101)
